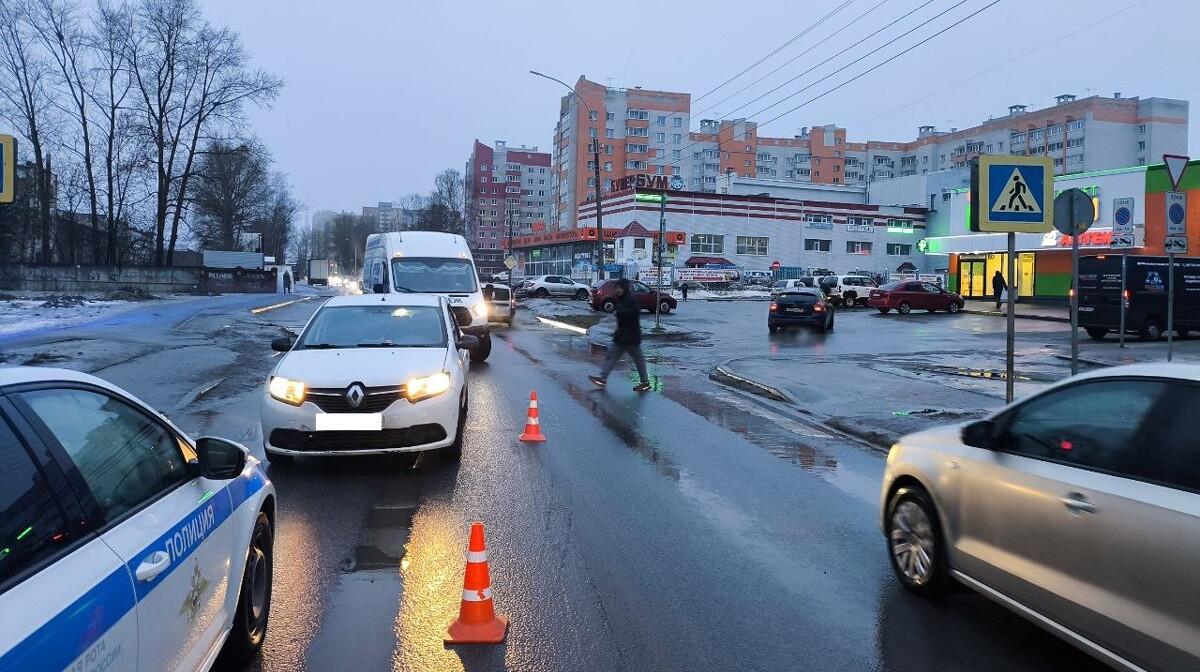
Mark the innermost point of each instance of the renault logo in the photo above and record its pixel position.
(355, 395)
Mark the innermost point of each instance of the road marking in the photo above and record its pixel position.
(263, 309)
(562, 325)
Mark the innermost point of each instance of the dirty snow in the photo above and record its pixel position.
(30, 312)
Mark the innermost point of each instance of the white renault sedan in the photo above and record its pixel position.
(124, 544)
(370, 374)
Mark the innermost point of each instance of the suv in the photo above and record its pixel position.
(604, 297)
(546, 286)
(848, 290)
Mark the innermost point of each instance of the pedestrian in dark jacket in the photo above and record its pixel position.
(998, 286)
(626, 338)
(684, 287)
(287, 283)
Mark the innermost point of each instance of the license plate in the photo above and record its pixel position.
(1086, 309)
(796, 310)
(348, 422)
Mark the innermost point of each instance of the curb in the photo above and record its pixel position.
(1091, 362)
(723, 374)
(993, 313)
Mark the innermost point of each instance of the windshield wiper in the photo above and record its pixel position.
(384, 344)
(319, 346)
(405, 289)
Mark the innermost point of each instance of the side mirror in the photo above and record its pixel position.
(468, 342)
(980, 434)
(220, 459)
(282, 344)
(377, 288)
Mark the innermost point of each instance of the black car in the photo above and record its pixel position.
(801, 308)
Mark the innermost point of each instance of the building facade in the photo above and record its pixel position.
(389, 217)
(507, 189)
(647, 132)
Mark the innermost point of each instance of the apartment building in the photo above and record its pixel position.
(389, 217)
(646, 132)
(504, 186)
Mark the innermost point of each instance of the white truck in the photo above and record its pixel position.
(430, 262)
(318, 271)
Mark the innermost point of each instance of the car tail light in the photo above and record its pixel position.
(818, 308)
(774, 306)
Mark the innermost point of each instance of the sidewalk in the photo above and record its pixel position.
(1028, 311)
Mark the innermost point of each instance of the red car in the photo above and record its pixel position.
(907, 295)
(604, 297)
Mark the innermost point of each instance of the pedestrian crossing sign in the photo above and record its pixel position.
(1015, 194)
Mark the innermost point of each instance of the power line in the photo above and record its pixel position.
(1046, 45)
(713, 136)
(776, 50)
(795, 58)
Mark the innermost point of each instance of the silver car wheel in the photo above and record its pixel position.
(913, 542)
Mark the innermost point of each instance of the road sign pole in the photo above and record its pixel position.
(1170, 305)
(1121, 330)
(662, 239)
(1075, 299)
(1010, 339)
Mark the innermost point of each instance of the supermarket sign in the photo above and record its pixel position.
(706, 275)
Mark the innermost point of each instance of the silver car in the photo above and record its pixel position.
(1078, 508)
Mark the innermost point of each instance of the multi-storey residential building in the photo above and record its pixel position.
(389, 217)
(504, 186)
(1093, 133)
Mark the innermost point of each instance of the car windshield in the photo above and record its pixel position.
(893, 286)
(437, 275)
(381, 326)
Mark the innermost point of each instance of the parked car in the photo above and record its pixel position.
(756, 277)
(124, 543)
(546, 286)
(907, 296)
(1145, 295)
(503, 305)
(848, 290)
(780, 286)
(604, 298)
(371, 374)
(1077, 507)
(804, 307)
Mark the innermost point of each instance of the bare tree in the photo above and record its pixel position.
(231, 191)
(58, 29)
(277, 224)
(27, 102)
(123, 149)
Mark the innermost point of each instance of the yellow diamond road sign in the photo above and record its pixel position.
(8, 168)
(1012, 194)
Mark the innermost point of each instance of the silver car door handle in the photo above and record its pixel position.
(153, 565)
(1078, 503)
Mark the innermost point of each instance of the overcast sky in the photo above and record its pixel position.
(382, 94)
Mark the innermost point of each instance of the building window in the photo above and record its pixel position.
(1056, 130)
(1141, 128)
(708, 243)
(858, 247)
(637, 132)
(1141, 145)
(752, 245)
(676, 138)
(675, 154)
(608, 166)
(608, 150)
(660, 153)
(661, 120)
(592, 132)
(636, 148)
(747, 163)
(635, 165)
(591, 115)
(660, 137)
(677, 122)
(637, 114)
(1076, 125)
(899, 249)
(608, 133)
(817, 245)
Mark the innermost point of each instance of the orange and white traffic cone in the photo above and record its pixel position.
(477, 622)
(533, 426)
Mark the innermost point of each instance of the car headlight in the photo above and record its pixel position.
(417, 389)
(287, 391)
(480, 310)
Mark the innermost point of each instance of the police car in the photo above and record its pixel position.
(124, 545)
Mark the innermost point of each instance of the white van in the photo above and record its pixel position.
(430, 262)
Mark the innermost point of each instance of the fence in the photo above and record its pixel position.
(153, 279)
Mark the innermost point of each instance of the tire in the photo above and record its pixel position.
(664, 308)
(772, 328)
(1096, 333)
(484, 350)
(542, 293)
(954, 307)
(581, 295)
(884, 311)
(1151, 329)
(453, 452)
(1182, 333)
(912, 520)
(609, 306)
(254, 601)
(850, 301)
(904, 308)
(280, 460)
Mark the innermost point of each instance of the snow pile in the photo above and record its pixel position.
(65, 301)
(551, 308)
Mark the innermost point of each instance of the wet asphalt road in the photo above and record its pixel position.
(687, 529)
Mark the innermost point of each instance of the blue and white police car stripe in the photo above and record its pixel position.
(62, 639)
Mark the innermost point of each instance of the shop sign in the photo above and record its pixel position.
(860, 228)
(643, 181)
(706, 274)
(1090, 238)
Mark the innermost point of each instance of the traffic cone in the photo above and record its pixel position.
(533, 427)
(477, 622)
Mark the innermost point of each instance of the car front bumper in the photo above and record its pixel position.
(407, 427)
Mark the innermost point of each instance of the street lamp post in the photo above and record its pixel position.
(599, 252)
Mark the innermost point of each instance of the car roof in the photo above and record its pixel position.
(1176, 371)
(389, 299)
(423, 244)
(803, 290)
(16, 375)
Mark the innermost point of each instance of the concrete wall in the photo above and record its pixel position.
(47, 278)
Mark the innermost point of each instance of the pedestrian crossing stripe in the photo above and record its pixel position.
(1015, 195)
